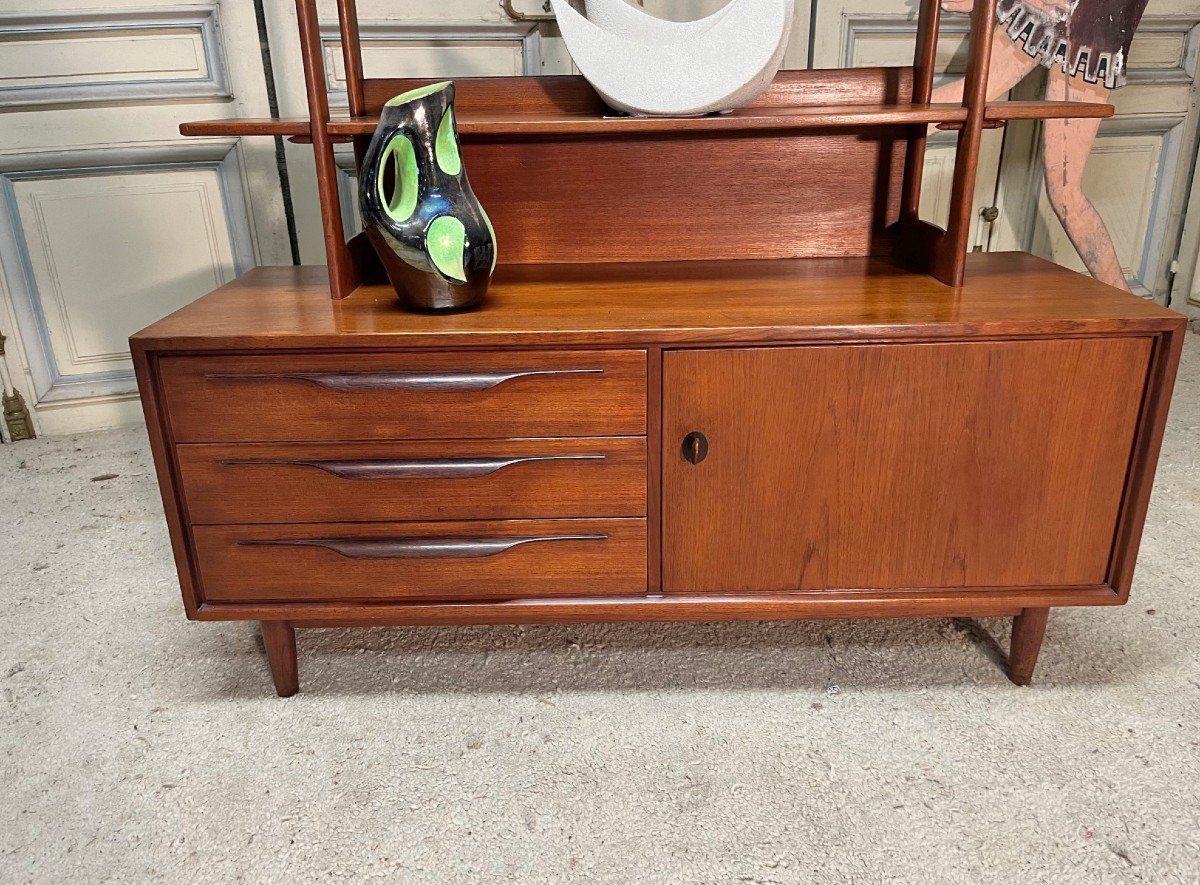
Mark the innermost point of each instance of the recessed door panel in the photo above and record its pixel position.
(989, 464)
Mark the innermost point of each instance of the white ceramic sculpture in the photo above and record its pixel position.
(647, 66)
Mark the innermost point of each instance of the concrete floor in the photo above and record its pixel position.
(135, 746)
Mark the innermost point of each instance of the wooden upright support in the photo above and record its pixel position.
(343, 274)
(949, 262)
(924, 63)
(352, 56)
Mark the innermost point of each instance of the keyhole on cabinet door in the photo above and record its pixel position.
(695, 447)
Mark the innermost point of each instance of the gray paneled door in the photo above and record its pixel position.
(109, 219)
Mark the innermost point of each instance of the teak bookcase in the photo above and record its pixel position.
(724, 371)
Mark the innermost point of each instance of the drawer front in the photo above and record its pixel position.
(459, 479)
(426, 561)
(405, 396)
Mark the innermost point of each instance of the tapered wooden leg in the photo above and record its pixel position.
(1028, 629)
(280, 639)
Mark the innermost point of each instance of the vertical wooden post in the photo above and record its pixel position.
(924, 62)
(352, 58)
(343, 275)
(950, 253)
(1029, 627)
(352, 55)
(279, 637)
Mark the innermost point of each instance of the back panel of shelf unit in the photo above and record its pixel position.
(685, 196)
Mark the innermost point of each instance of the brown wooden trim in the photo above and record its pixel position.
(1131, 330)
(740, 337)
(276, 127)
(1164, 363)
(495, 126)
(977, 602)
(162, 447)
(654, 448)
(573, 96)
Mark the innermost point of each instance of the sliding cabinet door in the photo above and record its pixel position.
(893, 467)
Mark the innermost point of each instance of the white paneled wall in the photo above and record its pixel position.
(75, 225)
(109, 219)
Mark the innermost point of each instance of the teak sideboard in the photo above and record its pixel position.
(883, 446)
(725, 371)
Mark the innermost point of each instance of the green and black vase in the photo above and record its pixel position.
(432, 235)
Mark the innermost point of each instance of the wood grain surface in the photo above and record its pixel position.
(980, 602)
(279, 641)
(517, 107)
(1006, 293)
(239, 564)
(471, 479)
(955, 465)
(263, 398)
(509, 124)
(661, 198)
(1028, 631)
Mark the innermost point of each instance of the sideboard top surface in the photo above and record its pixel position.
(696, 302)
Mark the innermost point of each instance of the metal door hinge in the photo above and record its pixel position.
(987, 215)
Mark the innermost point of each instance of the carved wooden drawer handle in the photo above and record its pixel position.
(420, 548)
(414, 468)
(371, 382)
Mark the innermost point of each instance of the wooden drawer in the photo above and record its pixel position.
(435, 560)
(405, 396)
(459, 479)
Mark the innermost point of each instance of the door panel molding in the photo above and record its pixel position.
(1179, 35)
(164, 75)
(859, 28)
(376, 35)
(348, 192)
(38, 304)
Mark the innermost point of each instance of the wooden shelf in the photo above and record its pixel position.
(635, 304)
(745, 120)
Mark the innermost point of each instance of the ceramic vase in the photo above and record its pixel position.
(647, 66)
(433, 237)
